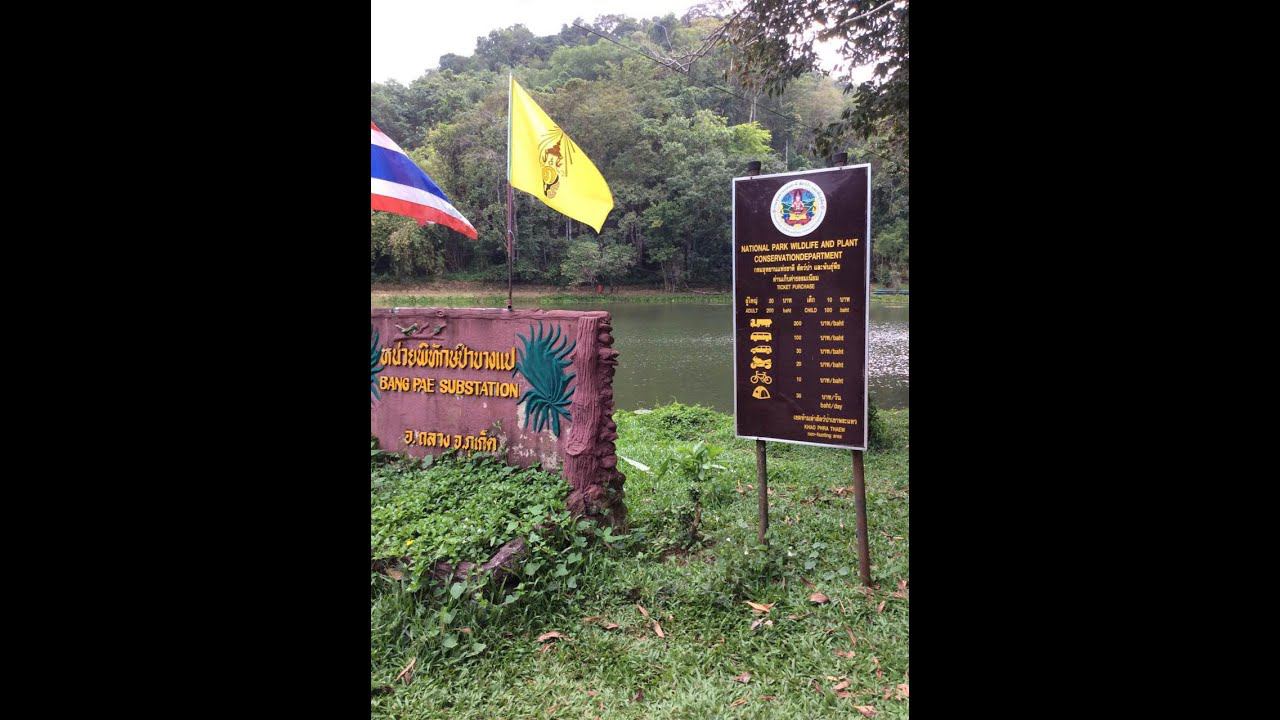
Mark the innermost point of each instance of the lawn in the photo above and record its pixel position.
(657, 623)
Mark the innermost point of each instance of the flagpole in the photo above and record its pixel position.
(510, 193)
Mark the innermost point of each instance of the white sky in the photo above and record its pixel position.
(409, 36)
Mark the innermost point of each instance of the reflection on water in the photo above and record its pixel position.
(888, 374)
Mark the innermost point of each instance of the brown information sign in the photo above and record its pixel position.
(800, 305)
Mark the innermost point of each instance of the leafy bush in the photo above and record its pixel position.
(457, 508)
(684, 422)
(691, 464)
(879, 436)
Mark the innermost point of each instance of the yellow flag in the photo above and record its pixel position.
(544, 162)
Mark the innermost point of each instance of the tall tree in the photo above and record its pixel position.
(774, 42)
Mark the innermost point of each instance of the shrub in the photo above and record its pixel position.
(878, 435)
(684, 422)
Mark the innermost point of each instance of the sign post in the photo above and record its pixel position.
(801, 265)
(762, 451)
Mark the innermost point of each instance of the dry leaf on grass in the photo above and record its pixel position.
(744, 678)
(842, 694)
(843, 684)
(466, 630)
(592, 618)
(880, 607)
(817, 687)
(903, 691)
(610, 626)
(768, 698)
(901, 592)
(845, 654)
(739, 701)
(546, 647)
(806, 582)
(853, 641)
(592, 693)
(407, 673)
(395, 574)
(638, 696)
(658, 629)
(819, 598)
(552, 710)
(757, 623)
(643, 612)
(866, 710)
(553, 635)
(759, 607)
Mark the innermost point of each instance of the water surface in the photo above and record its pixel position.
(684, 353)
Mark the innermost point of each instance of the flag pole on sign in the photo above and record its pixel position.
(543, 161)
(510, 192)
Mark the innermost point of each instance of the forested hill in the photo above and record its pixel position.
(667, 142)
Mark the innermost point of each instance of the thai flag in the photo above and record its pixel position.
(397, 185)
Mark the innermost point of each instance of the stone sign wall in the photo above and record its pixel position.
(536, 385)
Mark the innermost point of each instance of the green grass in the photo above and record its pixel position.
(697, 596)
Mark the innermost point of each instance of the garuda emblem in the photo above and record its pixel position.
(556, 152)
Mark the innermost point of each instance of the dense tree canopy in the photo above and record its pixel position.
(668, 139)
(773, 42)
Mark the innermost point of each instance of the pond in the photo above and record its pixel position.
(684, 352)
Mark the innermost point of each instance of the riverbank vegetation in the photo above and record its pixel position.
(668, 142)
(683, 615)
(463, 294)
